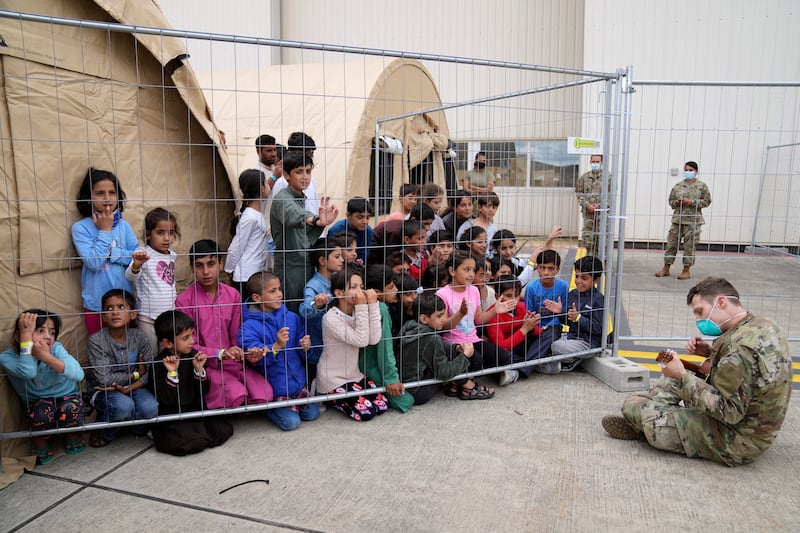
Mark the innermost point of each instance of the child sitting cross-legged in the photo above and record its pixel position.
(423, 354)
(119, 356)
(353, 322)
(180, 383)
(47, 379)
(279, 337)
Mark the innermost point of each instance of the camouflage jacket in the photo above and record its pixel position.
(698, 193)
(589, 189)
(750, 381)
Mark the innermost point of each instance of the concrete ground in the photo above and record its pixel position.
(534, 458)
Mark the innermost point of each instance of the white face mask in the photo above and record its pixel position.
(596, 166)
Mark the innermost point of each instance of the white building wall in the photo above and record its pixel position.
(724, 129)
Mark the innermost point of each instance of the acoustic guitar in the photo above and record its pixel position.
(700, 370)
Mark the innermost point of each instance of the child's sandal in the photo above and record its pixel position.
(96, 440)
(452, 390)
(44, 455)
(478, 392)
(74, 446)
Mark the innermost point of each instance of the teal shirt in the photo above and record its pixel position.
(34, 380)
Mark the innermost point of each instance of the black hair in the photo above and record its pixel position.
(693, 165)
(434, 275)
(340, 280)
(428, 303)
(299, 141)
(548, 256)
(506, 282)
(280, 152)
(589, 265)
(42, 316)
(119, 293)
(251, 182)
(455, 199)
(264, 140)
(481, 153)
(502, 235)
(292, 160)
(498, 260)
(459, 256)
(396, 258)
(378, 277)
(408, 188)
(489, 198)
(170, 324)
(439, 236)
(343, 239)
(203, 248)
(411, 228)
(256, 282)
(154, 216)
(359, 204)
(480, 262)
(430, 190)
(421, 211)
(322, 248)
(471, 234)
(92, 177)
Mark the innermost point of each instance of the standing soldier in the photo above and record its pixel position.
(589, 189)
(733, 415)
(687, 199)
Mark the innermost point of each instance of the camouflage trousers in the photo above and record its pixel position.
(591, 233)
(689, 233)
(671, 427)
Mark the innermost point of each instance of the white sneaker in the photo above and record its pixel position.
(508, 377)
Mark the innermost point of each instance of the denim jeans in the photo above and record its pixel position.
(116, 407)
(289, 419)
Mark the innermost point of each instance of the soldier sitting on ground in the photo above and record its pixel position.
(734, 415)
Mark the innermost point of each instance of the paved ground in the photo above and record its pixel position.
(534, 458)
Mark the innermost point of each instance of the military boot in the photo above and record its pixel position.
(618, 427)
(664, 272)
(685, 274)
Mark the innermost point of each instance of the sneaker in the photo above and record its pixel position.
(508, 377)
(618, 428)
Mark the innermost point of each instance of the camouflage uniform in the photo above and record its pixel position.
(589, 189)
(687, 220)
(734, 416)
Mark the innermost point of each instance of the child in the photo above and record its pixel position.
(512, 331)
(388, 237)
(295, 229)
(585, 305)
(431, 194)
(463, 303)
(398, 263)
(546, 296)
(347, 242)
(351, 323)
(377, 361)
(408, 199)
(483, 278)
(413, 248)
(180, 383)
(408, 289)
(424, 355)
(104, 241)
(457, 218)
(504, 243)
(474, 241)
(153, 270)
(268, 325)
(216, 309)
(487, 208)
(501, 267)
(47, 379)
(359, 211)
(327, 258)
(119, 356)
(436, 276)
(248, 251)
(440, 246)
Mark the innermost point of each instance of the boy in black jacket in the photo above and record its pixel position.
(585, 305)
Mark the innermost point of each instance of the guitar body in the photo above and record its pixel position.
(700, 370)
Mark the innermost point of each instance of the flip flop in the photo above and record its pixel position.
(43, 455)
(74, 446)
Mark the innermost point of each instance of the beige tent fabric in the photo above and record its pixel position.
(336, 103)
(71, 98)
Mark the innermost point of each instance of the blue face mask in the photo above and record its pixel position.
(709, 327)
(688, 175)
(596, 166)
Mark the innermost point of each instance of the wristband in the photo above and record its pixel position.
(274, 351)
(221, 354)
(172, 374)
(532, 264)
(136, 375)
(25, 348)
(272, 177)
(136, 270)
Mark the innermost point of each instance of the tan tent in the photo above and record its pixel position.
(337, 104)
(71, 98)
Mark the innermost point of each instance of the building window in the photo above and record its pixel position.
(537, 163)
